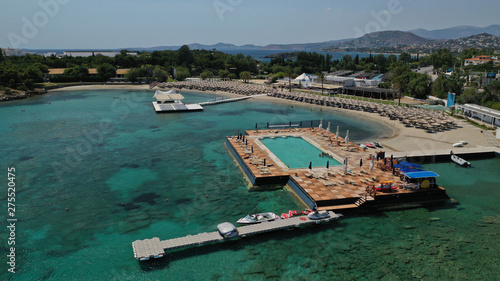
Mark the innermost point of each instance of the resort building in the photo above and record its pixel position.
(482, 113)
(476, 60)
(13, 52)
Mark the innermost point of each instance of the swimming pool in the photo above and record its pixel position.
(296, 152)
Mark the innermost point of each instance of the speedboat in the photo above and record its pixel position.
(227, 230)
(370, 145)
(362, 146)
(293, 213)
(318, 215)
(377, 144)
(258, 218)
(458, 144)
(460, 161)
(386, 186)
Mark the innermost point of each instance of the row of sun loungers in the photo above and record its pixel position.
(235, 87)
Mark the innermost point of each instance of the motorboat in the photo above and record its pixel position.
(227, 230)
(370, 145)
(258, 218)
(460, 161)
(293, 213)
(377, 144)
(458, 144)
(386, 186)
(318, 215)
(362, 146)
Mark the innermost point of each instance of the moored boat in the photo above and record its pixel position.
(460, 161)
(258, 218)
(370, 145)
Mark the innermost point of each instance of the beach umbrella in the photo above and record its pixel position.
(392, 158)
(311, 123)
(321, 123)
(346, 161)
(385, 161)
(328, 128)
(290, 124)
(327, 164)
(252, 148)
(310, 165)
(347, 137)
(361, 162)
(246, 142)
(255, 126)
(264, 161)
(337, 133)
(268, 124)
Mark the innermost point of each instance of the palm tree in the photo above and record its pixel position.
(289, 75)
(321, 77)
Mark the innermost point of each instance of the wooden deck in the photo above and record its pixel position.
(330, 188)
(155, 248)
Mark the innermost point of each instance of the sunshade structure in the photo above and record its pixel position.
(169, 96)
(421, 175)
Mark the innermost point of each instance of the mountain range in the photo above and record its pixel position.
(390, 39)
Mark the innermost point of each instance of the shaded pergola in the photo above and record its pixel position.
(376, 93)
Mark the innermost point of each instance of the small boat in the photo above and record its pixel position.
(227, 230)
(460, 161)
(362, 146)
(258, 218)
(370, 145)
(458, 144)
(318, 215)
(293, 213)
(377, 144)
(386, 186)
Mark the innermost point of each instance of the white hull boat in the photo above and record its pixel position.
(258, 218)
(460, 161)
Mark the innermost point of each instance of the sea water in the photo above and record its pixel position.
(91, 151)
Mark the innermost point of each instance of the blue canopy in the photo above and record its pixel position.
(411, 165)
(421, 174)
(409, 170)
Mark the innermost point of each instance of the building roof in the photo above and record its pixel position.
(93, 71)
(56, 71)
(122, 71)
(421, 175)
(481, 109)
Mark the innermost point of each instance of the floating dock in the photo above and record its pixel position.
(155, 248)
(328, 188)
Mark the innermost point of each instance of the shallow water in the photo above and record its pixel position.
(90, 151)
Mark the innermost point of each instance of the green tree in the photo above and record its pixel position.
(185, 56)
(405, 57)
(77, 72)
(246, 76)
(419, 85)
(470, 95)
(207, 74)
(106, 71)
(1, 55)
(321, 78)
(400, 77)
(133, 75)
(182, 73)
(160, 74)
(223, 73)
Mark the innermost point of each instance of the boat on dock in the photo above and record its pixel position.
(258, 218)
(460, 161)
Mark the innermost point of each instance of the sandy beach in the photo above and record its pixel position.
(398, 139)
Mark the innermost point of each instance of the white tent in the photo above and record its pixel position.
(304, 80)
(171, 95)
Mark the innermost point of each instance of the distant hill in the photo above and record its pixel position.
(482, 40)
(456, 32)
(386, 39)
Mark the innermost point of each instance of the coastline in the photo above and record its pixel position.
(399, 139)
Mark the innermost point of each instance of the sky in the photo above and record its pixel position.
(116, 24)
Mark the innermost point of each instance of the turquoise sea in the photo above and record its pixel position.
(91, 151)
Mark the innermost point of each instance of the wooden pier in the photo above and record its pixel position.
(211, 102)
(155, 248)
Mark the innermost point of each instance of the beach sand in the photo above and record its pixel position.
(399, 139)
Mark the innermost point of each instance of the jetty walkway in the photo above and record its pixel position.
(155, 248)
(217, 101)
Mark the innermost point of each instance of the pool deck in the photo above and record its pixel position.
(330, 188)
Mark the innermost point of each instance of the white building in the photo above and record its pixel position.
(482, 113)
(13, 52)
(85, 54)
